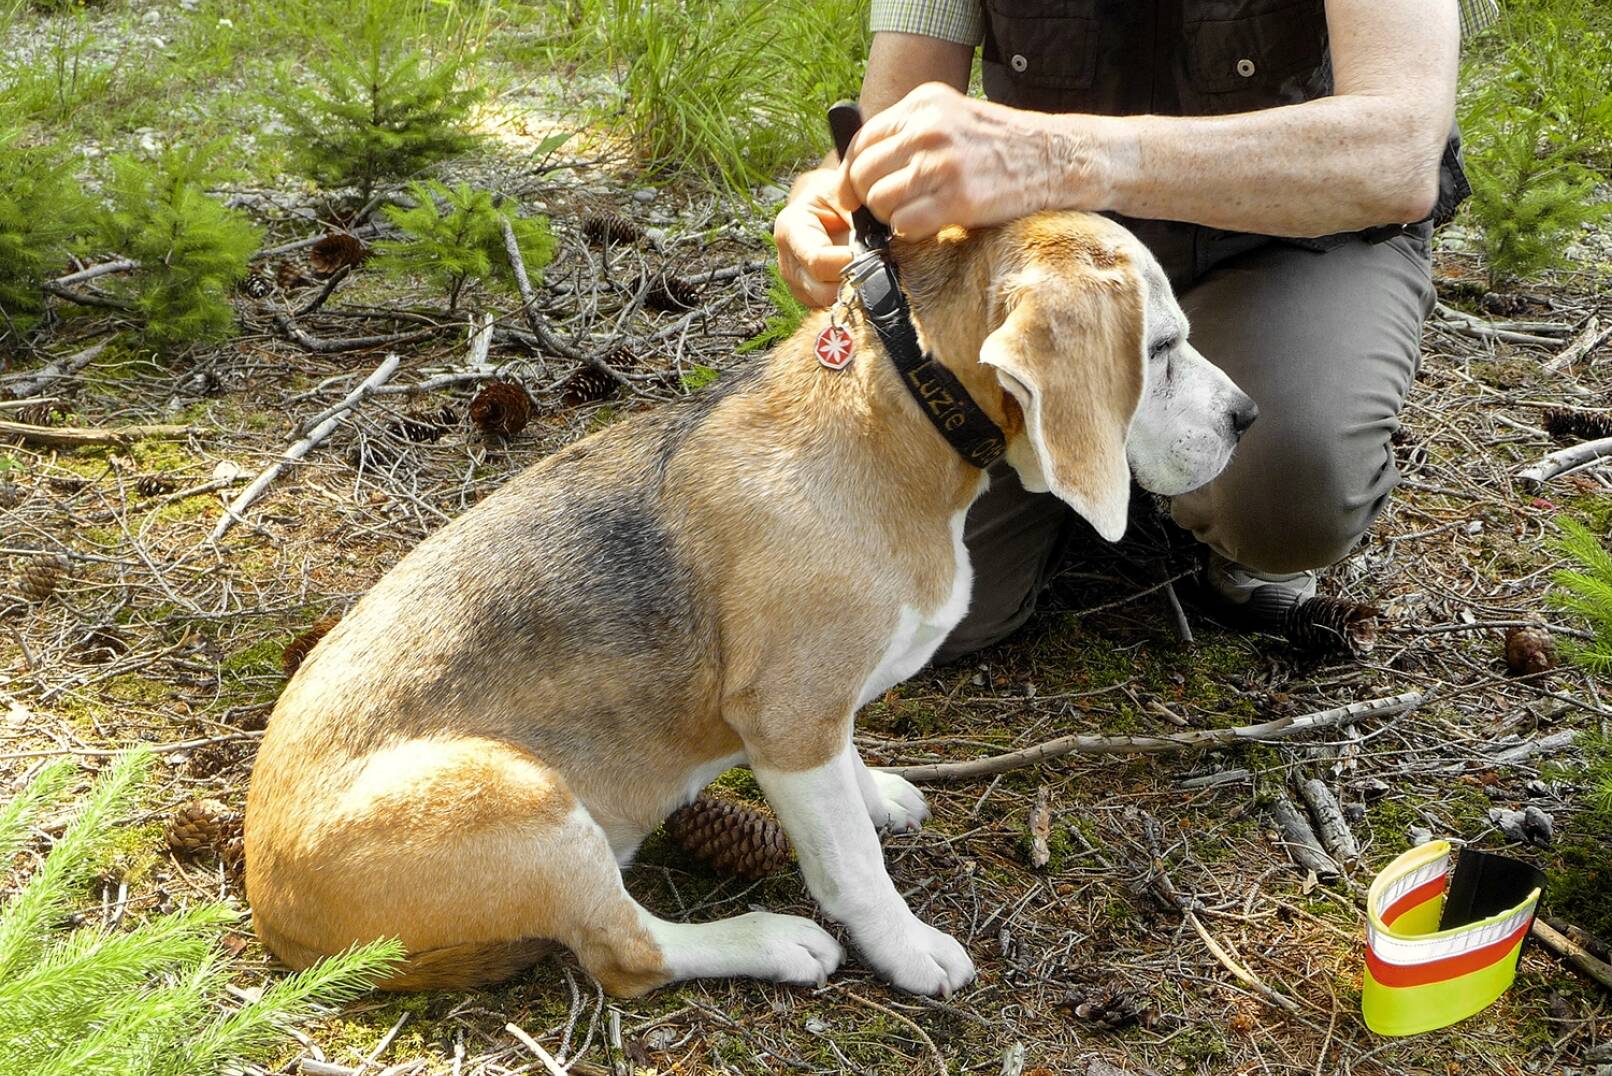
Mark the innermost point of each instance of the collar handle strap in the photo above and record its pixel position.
(961, 421)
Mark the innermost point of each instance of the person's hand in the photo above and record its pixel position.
(814, 238)
(938, 157)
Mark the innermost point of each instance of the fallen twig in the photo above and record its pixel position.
(331, 345)
(1332, 827)
(1197, 740)
(101, 752)
(1563, 461)
(32, 384)
(1458, 322)
(523, 283)
(1575, 954)
(1593, 335)
(301, 448)
(1299, 840)
(923, 1036)
(77, 436)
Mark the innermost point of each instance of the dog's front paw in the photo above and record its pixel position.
(790, 948)
(899, 807)
(921, 960)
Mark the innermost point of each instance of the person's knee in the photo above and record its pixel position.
(1309, 508)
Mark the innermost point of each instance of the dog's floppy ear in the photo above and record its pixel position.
(1071, 352)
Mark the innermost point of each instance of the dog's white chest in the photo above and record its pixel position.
(920, 632)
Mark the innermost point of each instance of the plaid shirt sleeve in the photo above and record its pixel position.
(959, 21)
(1478, 15)
(963, 21)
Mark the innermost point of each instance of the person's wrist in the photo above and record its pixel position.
(1089, 161)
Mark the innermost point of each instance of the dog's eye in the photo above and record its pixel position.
(1159, 348)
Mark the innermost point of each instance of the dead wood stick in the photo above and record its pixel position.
(100, 752)
(1299, 839)
(1561, 462)
(301, 448)
(1247, 977)
(1332, 827)
(1593, 335)
(531, 1044)
(331, 345)
(1457, 321)
(1197, 740)
(33, 384)
(523, 283)
(731, 272)
(77, 436)
(912, 1025)
(121, 265)
(1575, 954)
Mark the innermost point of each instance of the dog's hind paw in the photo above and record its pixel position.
(899, 807)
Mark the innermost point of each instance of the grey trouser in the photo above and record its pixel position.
(1325, 342)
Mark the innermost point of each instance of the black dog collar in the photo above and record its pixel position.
(961, 421)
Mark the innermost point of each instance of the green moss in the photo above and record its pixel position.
(1199, 1044)
(130, 853)
(1594, 512)
(131, 687)
(740, 784)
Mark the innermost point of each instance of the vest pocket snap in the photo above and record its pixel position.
(1043, 44)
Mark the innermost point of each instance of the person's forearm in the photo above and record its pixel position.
(1330, 165)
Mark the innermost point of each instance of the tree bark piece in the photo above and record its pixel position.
(1300, 840)
(1197, 740)
(1333, 828)
(35, 383)
(1593, 335)
(77, 436)
(297, 451)
(1568, 459)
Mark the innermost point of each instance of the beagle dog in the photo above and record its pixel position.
(467, 760)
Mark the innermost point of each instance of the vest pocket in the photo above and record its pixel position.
(1254, 57)
(1043, 43)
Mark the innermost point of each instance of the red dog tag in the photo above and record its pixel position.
(835, 347)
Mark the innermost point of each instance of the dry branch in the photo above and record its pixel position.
(35, 383)
(1299, 839)
(1593, 335)
(1333, 828)
(1561, 462)
(77, 436)
(1198, 740)
(1575, 954)
(301, 448)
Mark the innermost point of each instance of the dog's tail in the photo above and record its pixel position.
(449, 967)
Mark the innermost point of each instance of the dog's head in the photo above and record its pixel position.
(1086, 336)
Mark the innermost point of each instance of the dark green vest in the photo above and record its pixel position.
(1171, 58)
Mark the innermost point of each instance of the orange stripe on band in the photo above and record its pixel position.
(1451, 967)
(1424, 892)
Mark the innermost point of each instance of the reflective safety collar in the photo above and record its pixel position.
(1442, 945)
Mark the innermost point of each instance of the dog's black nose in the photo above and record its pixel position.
(1243, 416)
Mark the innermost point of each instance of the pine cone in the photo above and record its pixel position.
(1504, 304)
(257, 285)
(11, 495)
(153, 485)
(39, 576)
(502, 408)
(586, 385)
(426, 427)
(1572, 424)
(201, 826)
(671, 294)
(1110, 1010)
(335, 252)
(1530, 650)
(291, 275)
(209, 759)
(606, 228)
(730, 838)
(69, 483)
(296, 651)
(1325, 625)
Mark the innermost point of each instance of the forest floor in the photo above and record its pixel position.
(154, 634)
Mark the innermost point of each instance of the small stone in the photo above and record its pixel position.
(644, 195)
(1355, 812)
(1419, 835)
